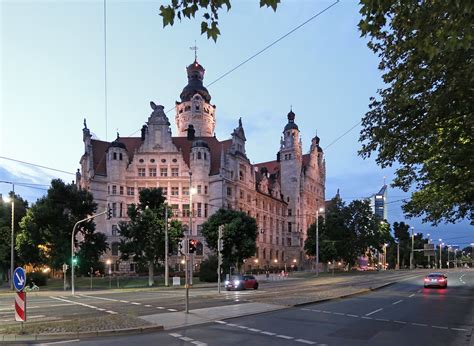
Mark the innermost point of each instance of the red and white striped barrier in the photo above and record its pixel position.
(20, 306)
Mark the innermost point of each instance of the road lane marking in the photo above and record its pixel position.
(460, 329)
(243, 327)
(402, 322)
(199, 343)
(351, 315)
(373, 312)
(101, 298)
(382, 319)
(327, 312)
(232, 325)
(397, 302)
(221, 322)
(419, 324)
(160, 307)
(367, 318)
(135, 303)
(61, 342)
(411, 295)
(254, 330)
(267, 333)
(339, 313)
(285, 337)
(439, 327)
(172, 310)
(82, 304)
(176, 335)
(124, 301)
(304, 309)
(305, 341)
(148, 306)
(185, 338)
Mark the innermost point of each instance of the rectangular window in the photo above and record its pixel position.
(199, 189)
(114, 209)
(289, 212)
(114, 230)
(241, 194)
(229, 191)
(271, 238)
(205, 209)
(278, 240)
(185, 190)
(115, 249)
(205, 189)
(140, 188)
(199, 230)
(199, 207)
(121, 210)
(121, 190)
(130, 191)
(185, 210)
(174, 191)
(114, 189)
(289, 226)
(174, 171)
(288, 241)
(164, 191)
(141, 172)
(132, 267)
(163, 172)
(152, 172)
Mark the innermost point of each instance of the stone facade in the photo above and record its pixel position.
(282, 195)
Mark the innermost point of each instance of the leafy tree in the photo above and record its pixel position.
(239, 236)
(187, 9)
(423, 118)
(45, 237)
(208, 269)
(6, 230)
(143, 237)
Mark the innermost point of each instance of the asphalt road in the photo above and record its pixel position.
(401, 314)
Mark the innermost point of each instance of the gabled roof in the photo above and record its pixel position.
(99, 149)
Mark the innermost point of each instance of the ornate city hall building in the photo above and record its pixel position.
(282, 195)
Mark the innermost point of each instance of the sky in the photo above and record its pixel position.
(54, 60)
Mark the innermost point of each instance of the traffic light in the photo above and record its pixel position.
(182, 247)
(74, 261)
(109, 213)
(192, 245)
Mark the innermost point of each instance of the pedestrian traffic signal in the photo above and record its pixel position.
(192, 245)
(109, 213)
(74, 261)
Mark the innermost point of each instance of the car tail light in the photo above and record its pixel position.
(441, 280)
(427, 280)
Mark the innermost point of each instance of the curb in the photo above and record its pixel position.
(97, 333)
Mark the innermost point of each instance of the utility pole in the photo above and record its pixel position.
(412, 245)
(317, 239)
(220, 247)
(440, 255)
(166, 247)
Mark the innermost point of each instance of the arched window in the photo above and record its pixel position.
(120, 156)
(115, 156)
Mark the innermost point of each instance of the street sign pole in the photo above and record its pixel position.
(19, 282)
(219, 257)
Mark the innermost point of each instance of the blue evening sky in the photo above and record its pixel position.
(52, 77)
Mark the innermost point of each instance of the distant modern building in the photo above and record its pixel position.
(378, 203)
(282, 195)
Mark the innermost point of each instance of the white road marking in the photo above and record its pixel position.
(285, 337)
(199, 343)
(148, 306)
(402, 322)
(398, 301)
(439, 327)
(9, 310)
(327, 312)
(60, 342)
(221, 322)
(373, 312)
(419, 324)
(37, 316)
(243, 327)
(269, 333)
(382, 319)
(254, 330)
(124, 301)
(185, 338)
(176, 335)
(101, 298)
(160, 307)
(111, 312)
(82, 304)
(411, 295)
(232, 325)
(135, 303)
(304, 309)
(351, 315)
(172, 310)
(460, 329)
(339, 313)
(305, 341)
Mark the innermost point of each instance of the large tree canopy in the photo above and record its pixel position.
(45, 237)
(143, 237)
(423, 118)
(239, 236)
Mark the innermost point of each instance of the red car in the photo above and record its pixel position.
(436, 280)
(241, 283)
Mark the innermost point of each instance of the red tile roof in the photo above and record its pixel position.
(99, 149)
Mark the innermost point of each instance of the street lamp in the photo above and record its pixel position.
(412, 247)
(12, 200)
(109, 263)
(319, 210)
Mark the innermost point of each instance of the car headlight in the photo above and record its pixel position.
(226, 282)
(236, 282)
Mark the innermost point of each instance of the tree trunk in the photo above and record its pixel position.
(151, 268)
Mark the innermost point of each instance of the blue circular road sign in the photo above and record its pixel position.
(19, 279)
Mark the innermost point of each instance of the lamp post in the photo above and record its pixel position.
(12, 244)
(109, 263)
(412, 248)
(440, 254)
(317, 239)
(449, 250)
(166, 247)
(385, 256)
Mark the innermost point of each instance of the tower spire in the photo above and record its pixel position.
(194, 48)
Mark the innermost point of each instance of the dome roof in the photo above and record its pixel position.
(195, 73)
(199, 143)
(291, 122)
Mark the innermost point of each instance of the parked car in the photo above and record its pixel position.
(241, 283)
(436, 280)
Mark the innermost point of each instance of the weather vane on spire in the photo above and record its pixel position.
(194, 48)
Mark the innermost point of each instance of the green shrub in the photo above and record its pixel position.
(208, 270)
